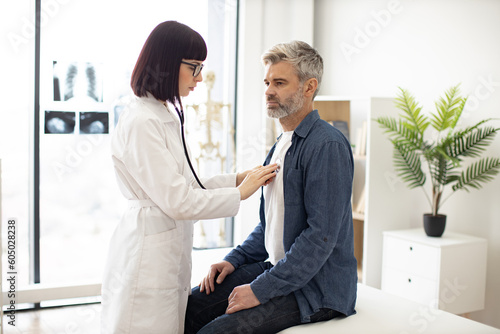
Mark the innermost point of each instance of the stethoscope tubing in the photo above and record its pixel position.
(181, 118)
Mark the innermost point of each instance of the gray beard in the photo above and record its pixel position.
(289, 107)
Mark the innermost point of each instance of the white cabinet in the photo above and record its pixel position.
(448, 273)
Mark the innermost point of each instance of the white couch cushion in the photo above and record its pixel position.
(380, 312)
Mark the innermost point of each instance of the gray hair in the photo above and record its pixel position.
(306, 61)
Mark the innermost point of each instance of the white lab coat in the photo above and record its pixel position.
(147, 277)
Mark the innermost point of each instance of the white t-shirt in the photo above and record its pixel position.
(274, 203)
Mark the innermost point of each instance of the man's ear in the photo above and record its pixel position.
(310, 87)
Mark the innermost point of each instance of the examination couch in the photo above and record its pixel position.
(381, 313)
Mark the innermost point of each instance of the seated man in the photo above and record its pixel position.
(305, 231)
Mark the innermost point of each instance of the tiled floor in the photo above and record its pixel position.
(82, 319)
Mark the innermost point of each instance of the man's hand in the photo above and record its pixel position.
(241, 298)
(219, 270)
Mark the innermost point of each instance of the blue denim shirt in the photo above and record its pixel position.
(319, 265)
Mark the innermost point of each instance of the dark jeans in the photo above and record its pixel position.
(206, 313)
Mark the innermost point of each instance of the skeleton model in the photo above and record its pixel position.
(215, 134)
(214, 117)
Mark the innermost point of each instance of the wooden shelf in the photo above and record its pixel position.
(358, 216)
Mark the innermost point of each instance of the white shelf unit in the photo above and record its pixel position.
(387, 200)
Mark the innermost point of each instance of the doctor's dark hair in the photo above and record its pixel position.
(306, 61)
(157, 68)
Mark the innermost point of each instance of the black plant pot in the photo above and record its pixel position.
(434, 225)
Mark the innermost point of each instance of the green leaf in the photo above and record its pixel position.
(479, 172)
(458, 113)
(447, 109)
(398, 131)
(408, 166)
(441, 169)
(469, 143)
(443, 151)
(415, 121)
(440, 166)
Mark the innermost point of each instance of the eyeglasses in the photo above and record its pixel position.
(196, 67)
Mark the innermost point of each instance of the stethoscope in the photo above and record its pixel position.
(181, 118)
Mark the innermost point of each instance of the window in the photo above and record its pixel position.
(87, 52)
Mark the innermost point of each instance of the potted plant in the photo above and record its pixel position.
(443, 156)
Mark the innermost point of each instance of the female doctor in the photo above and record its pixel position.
(148, 273)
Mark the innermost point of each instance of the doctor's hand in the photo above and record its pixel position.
(256, 178)
(241, 298)
(242, 175)
(219, 270)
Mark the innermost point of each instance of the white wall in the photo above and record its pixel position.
(261, 28)
(370, 47)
